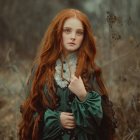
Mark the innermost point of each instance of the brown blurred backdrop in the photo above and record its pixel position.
(116, 25)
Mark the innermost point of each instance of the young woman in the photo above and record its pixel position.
(67, 98)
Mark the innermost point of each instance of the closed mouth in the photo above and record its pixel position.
(71, 43)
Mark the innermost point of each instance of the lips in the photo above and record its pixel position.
(71, 43)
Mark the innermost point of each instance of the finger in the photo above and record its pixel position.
(80, 78)
(68, 113)
(71, 118)
(73, 77)
(71, 121)
(69, 127)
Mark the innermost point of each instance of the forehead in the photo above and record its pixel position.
(73, 23)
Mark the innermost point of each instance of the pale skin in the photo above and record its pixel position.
(73, 33)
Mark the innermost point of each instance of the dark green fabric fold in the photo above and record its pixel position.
(52, 127)
(87, 110)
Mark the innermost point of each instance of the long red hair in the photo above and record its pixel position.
(50, 50)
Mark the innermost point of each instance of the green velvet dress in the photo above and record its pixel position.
(87, 114)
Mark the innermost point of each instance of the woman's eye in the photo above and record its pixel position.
(80, 33)
(67, 30)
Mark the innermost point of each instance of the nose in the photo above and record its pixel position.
(73, 35)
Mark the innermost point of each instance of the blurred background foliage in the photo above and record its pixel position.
(116, 25)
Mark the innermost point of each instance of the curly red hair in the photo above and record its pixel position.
(50, 50)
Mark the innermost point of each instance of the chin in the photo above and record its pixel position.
(72, 50)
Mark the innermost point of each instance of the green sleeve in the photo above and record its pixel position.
(52, 126)
(88, 113)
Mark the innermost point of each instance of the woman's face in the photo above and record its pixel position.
(73, 33)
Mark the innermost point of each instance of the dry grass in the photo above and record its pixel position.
(124, 89)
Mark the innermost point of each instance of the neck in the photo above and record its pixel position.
(67, 56)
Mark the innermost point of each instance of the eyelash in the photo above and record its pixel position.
(69, 30)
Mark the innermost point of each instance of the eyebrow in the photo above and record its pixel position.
(79, 28)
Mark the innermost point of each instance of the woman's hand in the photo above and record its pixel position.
(77, 87)
(67, 120)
